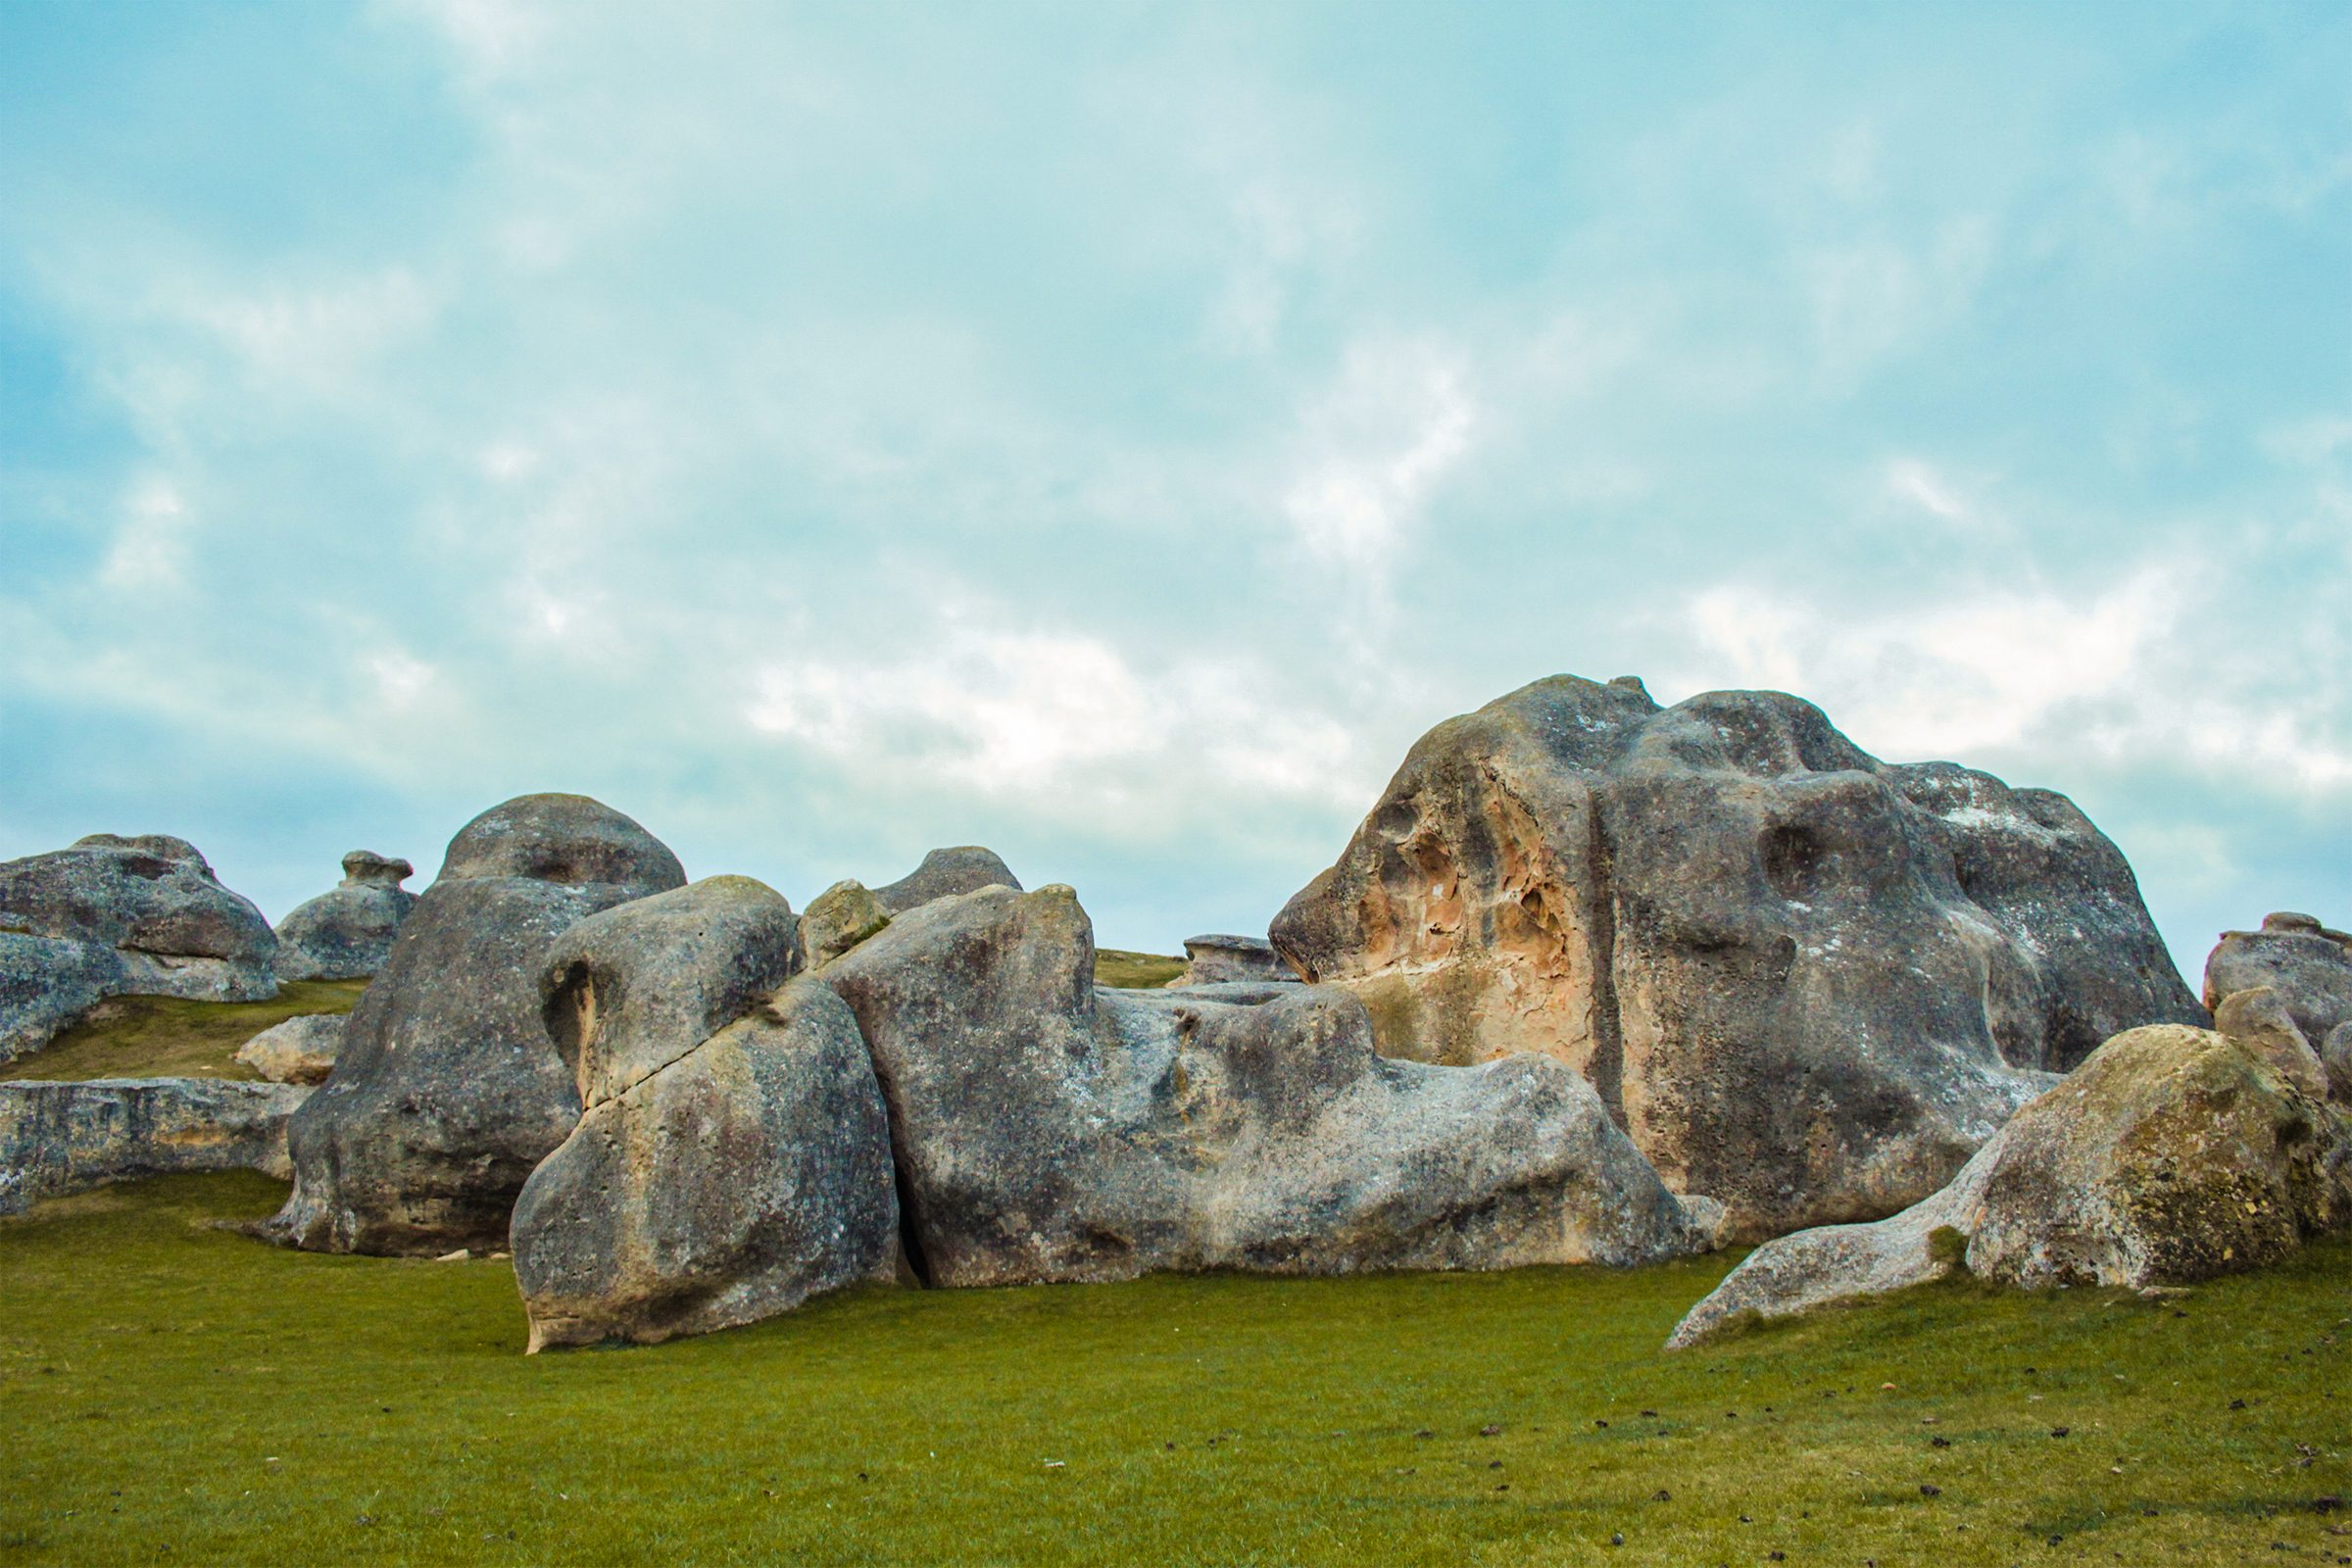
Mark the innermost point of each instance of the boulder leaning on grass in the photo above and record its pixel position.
(447, 1091)
(2172, 1155)
(1046, 1129)
(734, 1157)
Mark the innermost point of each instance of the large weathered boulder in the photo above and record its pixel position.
(747, 1174)
(1806, 982)
(346, 932)
(2336, 1055)
(58, 1137)
(154, 921)
(299, 1051)
(2306, 964)
(2172, 1155)
(449, 1090)
(837, 920)
(1048, 1130)
(1219, 959)
(944, 874)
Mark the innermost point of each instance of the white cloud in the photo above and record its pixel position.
(1398, 419)
(150, 548)
(1912, 480)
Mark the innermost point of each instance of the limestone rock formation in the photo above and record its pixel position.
(346, 932)
(965, 869)
(58, 1137)
(2336, 1055)
(837, 920)
(150, 918)
(1806, 982)
(1048, 1130)
(2258, 1020)
(300, 1050)
(2172, 1155)
(748, 1173)
(2309, 966)
(1218, 960)
(449, 1090)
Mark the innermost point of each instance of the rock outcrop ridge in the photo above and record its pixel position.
(1046, 1130)
(60, 1137)
(1806, 982)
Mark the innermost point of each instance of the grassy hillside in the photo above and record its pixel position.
(1113, 966)
(166, 1037)
(174, 1391)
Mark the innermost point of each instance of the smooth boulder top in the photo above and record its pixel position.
(2172, 1155)
(150, 894)
(945, 873)
(1806, 982)
(2307, 965)
(629, 991)
(566, 839)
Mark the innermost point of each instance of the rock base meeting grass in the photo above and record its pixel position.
(174, 1392)
(171, 1037)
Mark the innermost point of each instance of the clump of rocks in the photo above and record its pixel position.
(346, 932)
(111, 916)
(2288, 989)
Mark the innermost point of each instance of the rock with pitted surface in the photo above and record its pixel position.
(449, 1090)
(2258, 1020)
(748, 1173)
(346, 932)
(1806, 982)
(837, 920)
(148, 917)
(1049, 1130)
(944, 874)
(2335, 1056)
(1218, 960)
(300, 1050)
(58, 1137)
(2172, 1155)
(2307, 965)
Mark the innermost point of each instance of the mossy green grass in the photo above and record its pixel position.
(174, 1392)
(169, 1037)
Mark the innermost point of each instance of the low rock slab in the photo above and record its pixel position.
(1046, 1130)
(58, 1137)
(2172, 1155)
(1219, 959)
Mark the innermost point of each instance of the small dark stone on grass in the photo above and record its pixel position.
(1926, 1489)
(1661, 1495)
(2238, 1404)
(1425, 1433)
(1617, 1540)
(1939, 1442)
(2059, 1432)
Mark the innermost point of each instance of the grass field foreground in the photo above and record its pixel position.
(176, 1391)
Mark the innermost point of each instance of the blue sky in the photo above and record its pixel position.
(1114, 432)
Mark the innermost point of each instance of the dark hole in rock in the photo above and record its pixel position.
(1796, 861)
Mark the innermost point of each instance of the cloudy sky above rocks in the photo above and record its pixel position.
(1113, 433)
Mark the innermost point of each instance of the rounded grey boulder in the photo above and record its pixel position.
(300, 1050)
(449, 1090)
(945, 873)
(346, 933)
(837, 920)
(120, 916)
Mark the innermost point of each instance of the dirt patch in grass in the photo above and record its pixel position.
(166, 1037)
(1135, 971)
(166, 1385)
